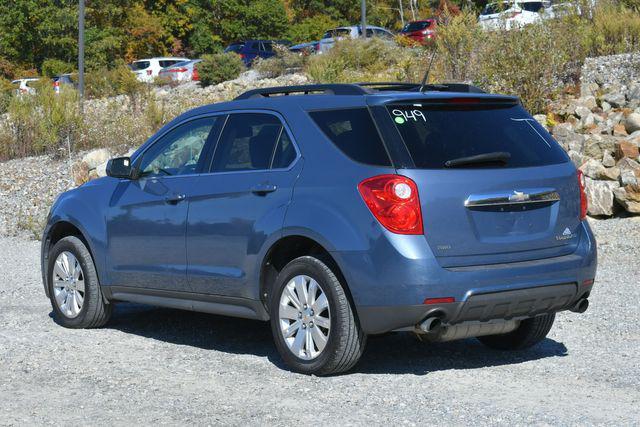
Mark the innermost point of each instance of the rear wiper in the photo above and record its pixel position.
(494, 157)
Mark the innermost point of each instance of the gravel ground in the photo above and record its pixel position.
(152, 365)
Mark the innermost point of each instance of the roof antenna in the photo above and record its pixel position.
(426, 75)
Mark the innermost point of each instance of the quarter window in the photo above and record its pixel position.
(354, 133)
(179, 151)
(248, 143)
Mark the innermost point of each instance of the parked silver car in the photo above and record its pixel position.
(354, 31)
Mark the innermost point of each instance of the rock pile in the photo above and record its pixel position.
(600, 131)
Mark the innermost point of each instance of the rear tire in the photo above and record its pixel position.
(334, 326)
(74, 290)
(529, 333)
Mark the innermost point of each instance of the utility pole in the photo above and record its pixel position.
(363, 17)
(81, 54)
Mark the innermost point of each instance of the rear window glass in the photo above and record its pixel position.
(415, 26)
(436, 134)
(140, 65)
(354, 133)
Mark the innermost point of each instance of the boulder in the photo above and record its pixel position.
(608, 160)
(626, 148)
(632, 122)
(600, 197)
(576, 158)
(80, 173)
(596, 145)
(605, 106)
(627, 163)
(592, 168)
(95, 158)
(619, 130)
(582, 112)
(101, 170)
(615, 99)
(589, 101)
(628, 177)
(628, 197)
(610, 174)
(542, 119)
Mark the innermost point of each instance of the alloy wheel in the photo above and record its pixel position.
(305, 319)
(68, 284)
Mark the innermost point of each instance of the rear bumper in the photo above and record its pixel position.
(482, 307)
(390, 283)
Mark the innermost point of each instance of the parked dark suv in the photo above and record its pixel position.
(250, 50)
(335, 212)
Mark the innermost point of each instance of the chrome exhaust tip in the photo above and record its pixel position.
(431, 325)
(580, 306)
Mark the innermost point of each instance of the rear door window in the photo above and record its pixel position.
(247, 142)
(168, 63)
(354, 133)
(438, 133)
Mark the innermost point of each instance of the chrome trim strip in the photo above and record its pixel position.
(524, 197)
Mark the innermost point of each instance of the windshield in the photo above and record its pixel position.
(435, 134)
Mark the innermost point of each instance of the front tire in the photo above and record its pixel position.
(529, 333)
(314, 326)
(74, 290)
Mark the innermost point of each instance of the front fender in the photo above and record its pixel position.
(84, 209)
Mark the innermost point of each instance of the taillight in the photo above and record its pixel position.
(195, 76)
(394, 201)
(149, 72)
(583, 195)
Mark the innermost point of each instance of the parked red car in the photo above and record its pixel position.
(421, 31)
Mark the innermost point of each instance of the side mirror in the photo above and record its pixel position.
(120, 167)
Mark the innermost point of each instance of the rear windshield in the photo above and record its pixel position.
(140, 65)
(415, 26)
(436, 134)
(354, 133)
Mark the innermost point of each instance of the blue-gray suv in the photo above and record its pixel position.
(335, 212)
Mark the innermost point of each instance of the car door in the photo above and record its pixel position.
(240, 203)
(146, 223)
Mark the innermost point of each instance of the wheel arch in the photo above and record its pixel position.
(55, 232)
(288, 248)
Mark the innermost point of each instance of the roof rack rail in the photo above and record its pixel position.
(356, 89)
(328, 89)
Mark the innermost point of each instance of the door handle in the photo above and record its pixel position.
(263, 189)
(175, 199)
